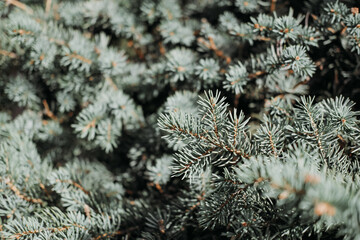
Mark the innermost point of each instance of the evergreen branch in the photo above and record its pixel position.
(263, 178)
(37, 231)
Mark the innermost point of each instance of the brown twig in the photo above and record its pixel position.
(273, 5)
(111, 82)
(36, 231)
(21, 195)
(251, 76)
(199, 198)
(162, 49)
(20, 5)
(47, 6)
(211, 45)
(272, 145)
(316, 133)
(201, 137)
(237, 193)
(112, 234)
(8, 54)
(75, 184)
(48, 112)
(79, 57)
(138, 50)
(89, 125)
(188, 165)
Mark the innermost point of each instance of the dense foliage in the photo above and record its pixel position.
(179, 119)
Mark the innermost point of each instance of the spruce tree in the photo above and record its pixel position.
(179, 119)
